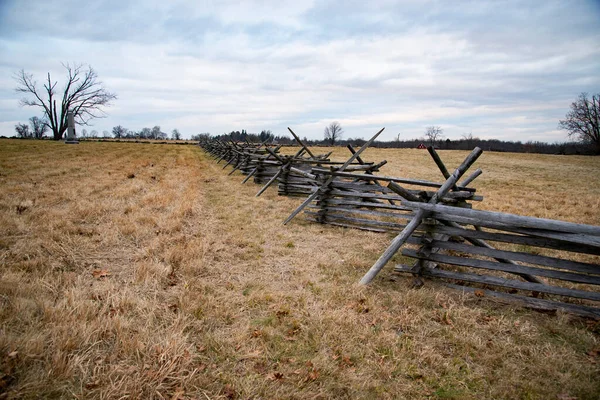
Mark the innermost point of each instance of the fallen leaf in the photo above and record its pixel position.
(257, 333)
(479, 293)
(100, 273)
(276, 376)
(282, 313)
(313, 375)
(92, 385)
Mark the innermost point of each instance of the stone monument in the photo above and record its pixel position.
(71, 137)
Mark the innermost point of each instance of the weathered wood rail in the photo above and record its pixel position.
(540, 247)
(357, 198)
(558, 260)
(541, 263)
(266, 165)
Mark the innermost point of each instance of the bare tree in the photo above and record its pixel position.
(266, 135)
(94, 133)
(119, 132)
(470, 140)
(22, 130)
(156, 133)
(146, 133)
(175, 135)
(333, 132)
(82, 93)
(433, 134)
(38, 127)
(583, 121)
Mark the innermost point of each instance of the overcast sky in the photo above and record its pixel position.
(498, 69)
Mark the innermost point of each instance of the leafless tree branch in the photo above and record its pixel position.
(434, 134)
(333, 132)
(83, 93)
(583, 121)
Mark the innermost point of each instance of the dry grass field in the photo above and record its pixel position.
(144, 271)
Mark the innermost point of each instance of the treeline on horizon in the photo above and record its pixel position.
(565, 148)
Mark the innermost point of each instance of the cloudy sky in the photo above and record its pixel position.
(498, 69)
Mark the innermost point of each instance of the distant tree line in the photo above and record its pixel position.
(434, 136)
(36, 129)
(120, 132)
(485, 144)
(468, 144)
(243, 135)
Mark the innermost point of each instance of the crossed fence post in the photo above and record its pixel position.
(416, 221)
(323, 187)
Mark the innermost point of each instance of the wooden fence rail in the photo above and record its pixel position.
(562, 257)
(541, 263)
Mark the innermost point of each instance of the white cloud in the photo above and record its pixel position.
(499, 71)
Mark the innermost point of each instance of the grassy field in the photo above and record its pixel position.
(144, 271)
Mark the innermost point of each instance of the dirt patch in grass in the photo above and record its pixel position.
(145, 271)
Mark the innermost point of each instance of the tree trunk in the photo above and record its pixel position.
(58, 134)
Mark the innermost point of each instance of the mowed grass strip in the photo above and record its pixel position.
(144, 271)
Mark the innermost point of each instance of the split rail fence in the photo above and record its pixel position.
(541, 263)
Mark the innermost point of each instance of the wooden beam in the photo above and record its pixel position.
(331, 178)
(300, 143)
(414, 224)
(511, 268)
(511, 219)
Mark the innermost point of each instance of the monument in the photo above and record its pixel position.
(71, 137)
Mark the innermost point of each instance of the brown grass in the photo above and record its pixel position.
(144, 271)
